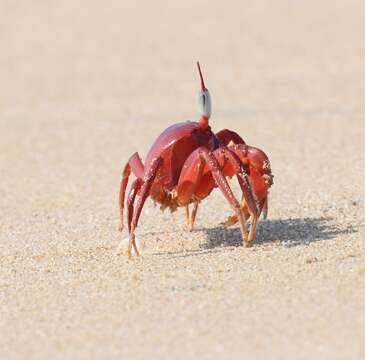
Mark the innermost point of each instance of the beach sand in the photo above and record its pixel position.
(83, 85)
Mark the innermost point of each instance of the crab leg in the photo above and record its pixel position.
(193, 215)
(187, 214)
(259, 181)
(191, 178)
(265, 209)
(225, 136)
(250, 201)
(190, 220)
(134, 164)
(136, 185)
(223, 185)
(143, 194)
(228, 157)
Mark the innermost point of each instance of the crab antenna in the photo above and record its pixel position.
(201, 77)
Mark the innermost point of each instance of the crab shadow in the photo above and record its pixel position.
(289, 232)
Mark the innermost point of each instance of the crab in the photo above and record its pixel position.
(186, 162)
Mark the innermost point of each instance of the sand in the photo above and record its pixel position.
(85, 84)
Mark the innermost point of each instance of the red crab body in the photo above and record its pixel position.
(186, 162)
(174, 145)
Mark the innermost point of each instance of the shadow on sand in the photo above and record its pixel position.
(289, 232)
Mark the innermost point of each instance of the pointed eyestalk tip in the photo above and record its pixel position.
(201, 77)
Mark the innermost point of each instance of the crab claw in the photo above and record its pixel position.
(269, 180)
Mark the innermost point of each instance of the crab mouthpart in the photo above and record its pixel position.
(269, 179)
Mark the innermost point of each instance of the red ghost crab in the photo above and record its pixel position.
(186, 162)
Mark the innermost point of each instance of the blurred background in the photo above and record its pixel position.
(84, 84)
(130, 56)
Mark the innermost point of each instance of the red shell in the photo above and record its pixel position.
(174, 146)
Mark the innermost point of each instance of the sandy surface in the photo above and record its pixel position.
(85, 84)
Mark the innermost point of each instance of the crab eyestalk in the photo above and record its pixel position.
(205, 106)
(201, 77)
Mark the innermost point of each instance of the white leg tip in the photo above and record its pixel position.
(122, 248)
